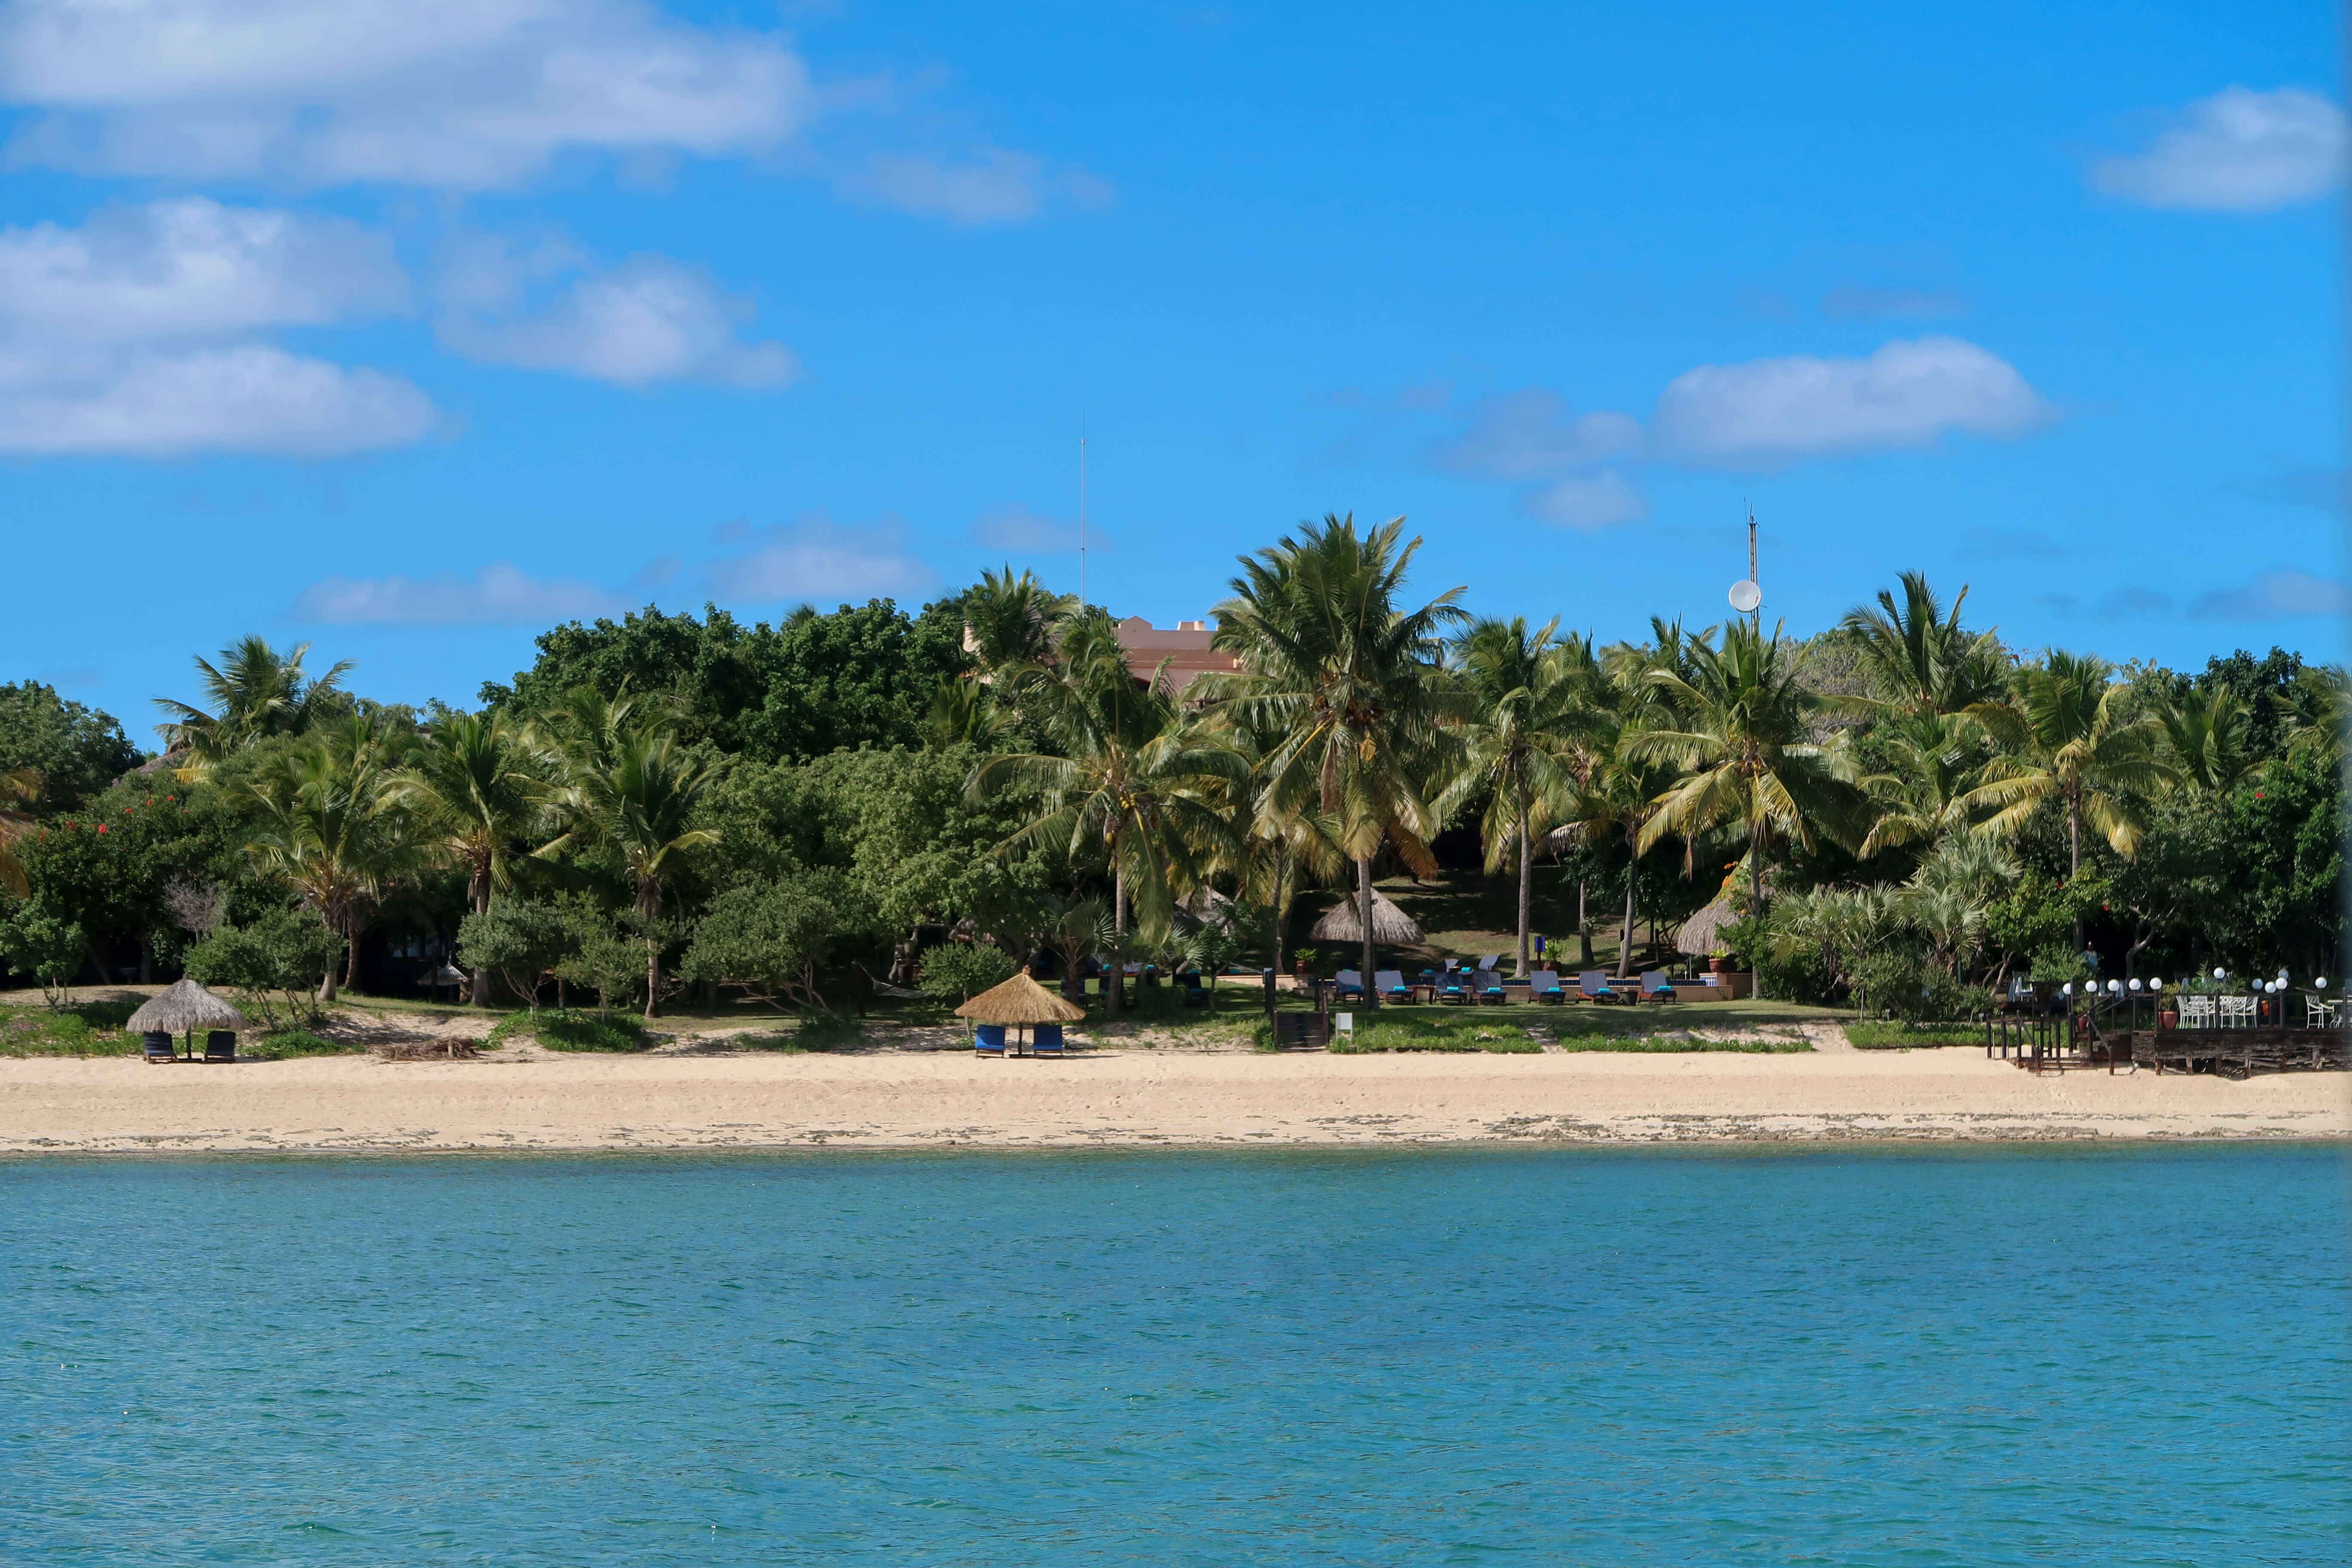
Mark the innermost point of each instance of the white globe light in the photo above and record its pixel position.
(2270, 987)
(2321, 983)
(2220, 974)
(2134, 985)
(2155, 985)
(2067, 989)
(2116, 987)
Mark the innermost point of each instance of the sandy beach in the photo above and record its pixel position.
(539, 1100)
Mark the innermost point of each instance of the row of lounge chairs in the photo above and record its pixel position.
(1045, 1040)
(1485, 985)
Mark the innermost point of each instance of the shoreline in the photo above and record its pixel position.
(534, 1102)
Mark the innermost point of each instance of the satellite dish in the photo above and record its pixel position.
(1746, 595)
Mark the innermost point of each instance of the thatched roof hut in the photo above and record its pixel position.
(1389, 923)
(1020, 1000)
(1702, 934)
(184, 1007)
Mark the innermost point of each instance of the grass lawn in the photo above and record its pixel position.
(86, 1029)
(1466, 914)
(1517, 1030)
(1882, 1034)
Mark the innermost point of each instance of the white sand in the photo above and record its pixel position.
(918, 1100)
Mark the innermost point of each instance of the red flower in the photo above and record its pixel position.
(101, 828)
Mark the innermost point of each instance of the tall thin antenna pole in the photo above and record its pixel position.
(1082, 511)
(1758, 615)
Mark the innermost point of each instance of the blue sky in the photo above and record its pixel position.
(408, 328)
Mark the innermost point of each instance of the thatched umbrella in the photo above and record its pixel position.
(1702, 934)
(1390, 924)
(1020, 1001)
(183, 1008)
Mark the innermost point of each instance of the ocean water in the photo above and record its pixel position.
(1973, 1356)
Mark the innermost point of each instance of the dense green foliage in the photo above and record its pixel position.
(1895, 813)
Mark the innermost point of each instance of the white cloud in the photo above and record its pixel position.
(2276, 595)
(250, 398)
(1601, 501)
(647, 319)
(818, 559)
(1907, 394)
(190, 269)
(496, 593)
(995, 187)
(1017, 528)
(462, 93)
(2238, 151)
(1530, 434)
(139, 333)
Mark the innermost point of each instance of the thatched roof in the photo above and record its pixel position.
(1702, 934)
(186, 1005)
(1389, 923)
(1020, 1000)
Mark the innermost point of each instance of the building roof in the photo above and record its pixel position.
(1184, 648)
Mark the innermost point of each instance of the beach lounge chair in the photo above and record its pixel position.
(1348, 985)
(220, 1045)
(1489, 986)
(1389, 984)
(1047, 1041)
(155, 1046)
(1543, 985)
(1453, 985)
(1655, 987)
(1490, 960)
(1593, 986)
(988, 1040)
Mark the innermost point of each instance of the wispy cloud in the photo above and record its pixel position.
(2238, 151)
(1530, 433)
(645, 320)
(142, 334)
(1769, 412)
(2281, 594)
(454, 93)
(496, 593)
(817, 559)
(1601, 501)
(989, 184)
(2290, 481)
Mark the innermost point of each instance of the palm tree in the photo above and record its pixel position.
(1924, 798)
(2207, 736)
(1917, 656)
(1616, 786)
(2069, 741)
(1011, 620)
(327, 823)
(1743, 730)
(1532, 712)
(479, 787)
(17, 785)
(631, 789)
(1355, 687)
(254, 691)
(1133, 779)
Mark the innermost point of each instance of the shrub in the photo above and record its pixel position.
(286, 951)
(960, 971)
(283, 1045)
(562, 1029)
(522, 941)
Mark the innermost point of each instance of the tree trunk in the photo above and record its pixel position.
(481, 891)
(1526, 885)
(1625, 940)
(1364, 912)
(146, 962)
(1584, 928)
(652, 977)
(1281, 857)
(1117, 979)
(2074, 855)
(351, 953)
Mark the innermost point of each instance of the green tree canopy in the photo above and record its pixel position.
(77, 750)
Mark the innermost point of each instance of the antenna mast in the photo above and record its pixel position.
(1082, 512)
(1757, 616)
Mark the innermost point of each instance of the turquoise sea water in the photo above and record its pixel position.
(1972, 1356)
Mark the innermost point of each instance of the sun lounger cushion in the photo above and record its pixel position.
(220, 1045)
(156, 1045)
(1049, 1039)
(988, 1040)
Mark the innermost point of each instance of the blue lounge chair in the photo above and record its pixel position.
(1453, 986)
(1348, 985)
(1490, 986)
(155, 1046)
(1048, 1041)
(988, 1040)
(1593, 986)
(1655, 986)
(220, 1045)
(1389, 984)
(1543, 985)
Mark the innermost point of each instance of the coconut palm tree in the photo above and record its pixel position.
(1011, 620)
(2066, 740)
(1355, 686)
(1923, 798)
(254, 691)
(480, 786)
(1915, 654)
(1532, 712)
(1134, 780)
(330, 825)
(1743, 729)
(629, 788)
(2207, 738)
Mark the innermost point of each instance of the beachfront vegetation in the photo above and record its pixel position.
(1895, 812)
